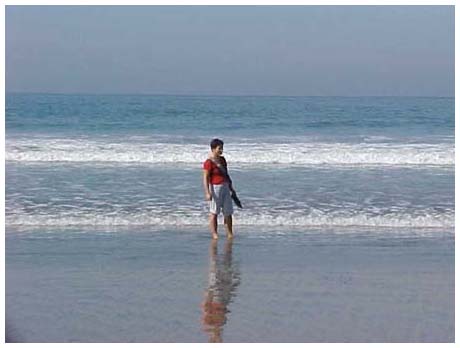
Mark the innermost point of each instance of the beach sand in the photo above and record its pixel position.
(175, 285)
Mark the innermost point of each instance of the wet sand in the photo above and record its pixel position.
(177, 285)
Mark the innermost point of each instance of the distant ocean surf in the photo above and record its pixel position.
(75, 160)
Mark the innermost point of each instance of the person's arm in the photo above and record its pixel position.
(230, 183)
(206, 181)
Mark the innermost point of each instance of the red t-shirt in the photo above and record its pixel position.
(216, 177)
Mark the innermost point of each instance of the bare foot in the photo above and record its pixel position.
(229, 235)
(215, 236)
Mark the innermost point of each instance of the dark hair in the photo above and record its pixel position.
(215, 143)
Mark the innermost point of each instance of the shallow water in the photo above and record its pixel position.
(146, 285)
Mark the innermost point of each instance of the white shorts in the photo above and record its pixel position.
(221, 200)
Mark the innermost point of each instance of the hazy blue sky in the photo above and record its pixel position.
(256, 50)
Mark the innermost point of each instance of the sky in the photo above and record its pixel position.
(231, 50)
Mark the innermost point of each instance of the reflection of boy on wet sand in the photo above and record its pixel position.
(223, 280)
(214, 318)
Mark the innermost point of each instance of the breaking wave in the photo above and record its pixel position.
(244, 154)
(421, 219)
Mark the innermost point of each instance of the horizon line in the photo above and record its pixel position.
(226, 95)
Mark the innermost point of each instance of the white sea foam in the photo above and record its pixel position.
(288, 219)
(244, 154)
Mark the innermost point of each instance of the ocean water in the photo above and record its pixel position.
(347, 231)
(297, 162)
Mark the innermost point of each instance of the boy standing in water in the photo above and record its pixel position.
(218, 188)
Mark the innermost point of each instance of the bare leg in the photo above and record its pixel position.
(213, 225)
(229, 226)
